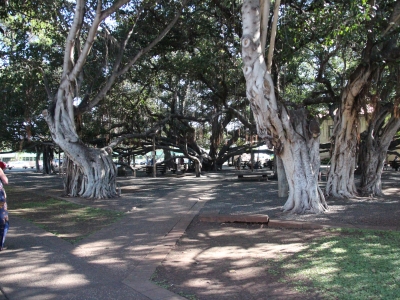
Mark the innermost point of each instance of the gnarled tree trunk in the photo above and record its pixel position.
(93, 176)
(90, 172)
(346, 131)
(296, 139)
(372, 161)
(382, 127)
(343, 161)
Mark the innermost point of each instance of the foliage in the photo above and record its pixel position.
(198, 63)
(28, 51)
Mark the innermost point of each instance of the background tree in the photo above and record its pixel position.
(383, 125)
(380, 47)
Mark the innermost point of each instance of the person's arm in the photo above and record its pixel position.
(3, 177)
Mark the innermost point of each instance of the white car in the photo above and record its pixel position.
(18, 164)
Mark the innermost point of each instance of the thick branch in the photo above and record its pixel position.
(141, 52)
(273, 36)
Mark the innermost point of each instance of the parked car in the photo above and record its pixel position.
(18, 164)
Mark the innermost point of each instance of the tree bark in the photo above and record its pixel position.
(374, 146)
(37, 160)
(295, 138)
(48, 156)
(346, 132)
(283, 186)
(91, 174)
(371, 161)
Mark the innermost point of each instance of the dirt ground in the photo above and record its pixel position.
(233, 261)
(71, 223)
(217, 261)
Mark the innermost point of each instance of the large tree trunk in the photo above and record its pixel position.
(301, 162)
(296, 139)
(343, 161)
(346, 132)
(90, 172)
(92, 175)
(372, 160)
(382, 127)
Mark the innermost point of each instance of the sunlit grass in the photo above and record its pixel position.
(354, 264)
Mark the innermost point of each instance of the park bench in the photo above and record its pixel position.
(162, 168)
(323, 173)
(253, 176)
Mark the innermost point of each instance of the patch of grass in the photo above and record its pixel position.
(67, 220)
(161, 283)
(349, 264)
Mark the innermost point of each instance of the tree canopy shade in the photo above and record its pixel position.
(181, 79)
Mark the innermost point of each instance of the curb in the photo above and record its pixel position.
(264, 219)
(258, 219)
(140, 278)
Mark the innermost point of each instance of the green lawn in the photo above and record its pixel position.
(349, 264)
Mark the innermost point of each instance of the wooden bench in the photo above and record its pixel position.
(252, 176)
(159, 169)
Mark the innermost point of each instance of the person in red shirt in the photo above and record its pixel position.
(4, 223)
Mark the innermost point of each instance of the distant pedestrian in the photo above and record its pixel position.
(238, 162)
(395, 164)
(4, 223)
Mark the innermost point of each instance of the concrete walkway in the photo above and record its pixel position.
(113, 263)
(118, 261)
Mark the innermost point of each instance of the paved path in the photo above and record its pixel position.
(113, 263)
(118, 261)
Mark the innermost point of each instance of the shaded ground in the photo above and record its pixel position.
(233, 261)
(69, 221)
(241, 261)
(227, 261)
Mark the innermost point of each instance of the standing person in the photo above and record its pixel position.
(4, 223)
(239, 162)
